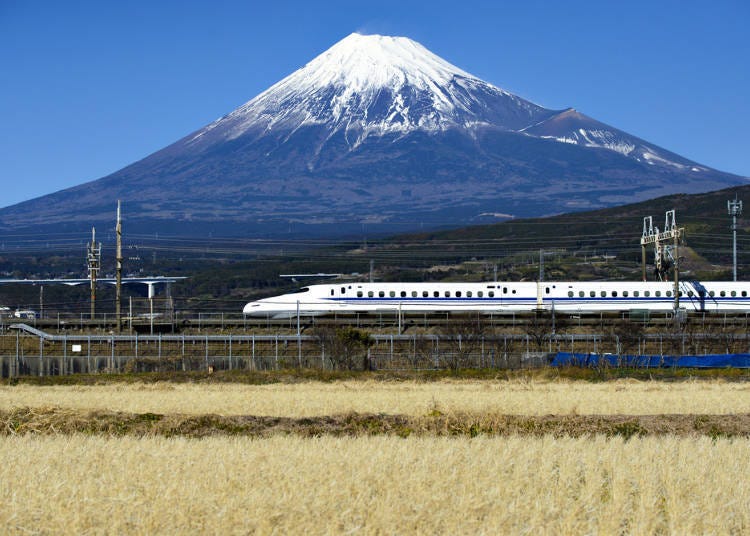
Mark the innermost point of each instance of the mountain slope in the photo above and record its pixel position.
(375, 134)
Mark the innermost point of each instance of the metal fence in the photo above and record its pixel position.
(29, 351)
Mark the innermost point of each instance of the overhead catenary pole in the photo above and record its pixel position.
(118, 269)
(94, 261)
(651, 235)
(671, 229)
(734, 208)
(541, 265)
(676, 272)
(648, 230)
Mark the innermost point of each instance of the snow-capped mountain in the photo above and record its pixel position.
(376, 131)
(373, 85)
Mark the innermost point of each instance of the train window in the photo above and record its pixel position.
(480, 293)
(447, 293)
(491, 294)
(468, 294)
(403, 294)
(413, 293)
(581, 294)
(425, 294)
(370, 294)
(679, 293)
(614, 293)
(436, 294)
(734, 293)
(592, 293)
(636, 293)
(570, 294)
(505, 290)
(722, 293)
(331, 292)
(669, 294)
(458, 294)
(744, 294)
(392, 294)
(624, 293)
(690, 294)
(343, 289)
(546, 290)
(359, 294)
(647, 293)
(657, 293)
(604, 293)
(381, 293)
(490, 286)
(712, 293)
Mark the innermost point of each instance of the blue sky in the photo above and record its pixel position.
(88, 87)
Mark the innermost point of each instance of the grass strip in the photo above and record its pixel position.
(266, 377)
(61, 421)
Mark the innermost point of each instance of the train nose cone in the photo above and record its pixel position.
(252, 307)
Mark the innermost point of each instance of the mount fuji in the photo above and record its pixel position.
(376, 133)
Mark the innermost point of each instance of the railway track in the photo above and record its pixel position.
(187, 322)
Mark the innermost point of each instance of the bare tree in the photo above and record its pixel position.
(628, 334)
(424, 350)
(463, 336)
(539, 328)
(345, 347)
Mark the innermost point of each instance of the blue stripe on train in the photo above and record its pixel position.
(500, 301)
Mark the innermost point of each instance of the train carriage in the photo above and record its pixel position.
(504, 297)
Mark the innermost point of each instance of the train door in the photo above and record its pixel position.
(539, 296)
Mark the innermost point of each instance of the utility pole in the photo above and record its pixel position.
(93, 258)
(734, 208)
(118, 267)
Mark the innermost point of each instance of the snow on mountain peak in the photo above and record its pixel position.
(360, 62)
(377, 85)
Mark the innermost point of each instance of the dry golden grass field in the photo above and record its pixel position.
(381, 485)
(307, 399)
(482, 456)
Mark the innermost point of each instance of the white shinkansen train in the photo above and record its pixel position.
(504, 297)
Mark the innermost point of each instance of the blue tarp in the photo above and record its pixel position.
(689, 361)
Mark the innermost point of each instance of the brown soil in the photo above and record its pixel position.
(56, 421)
